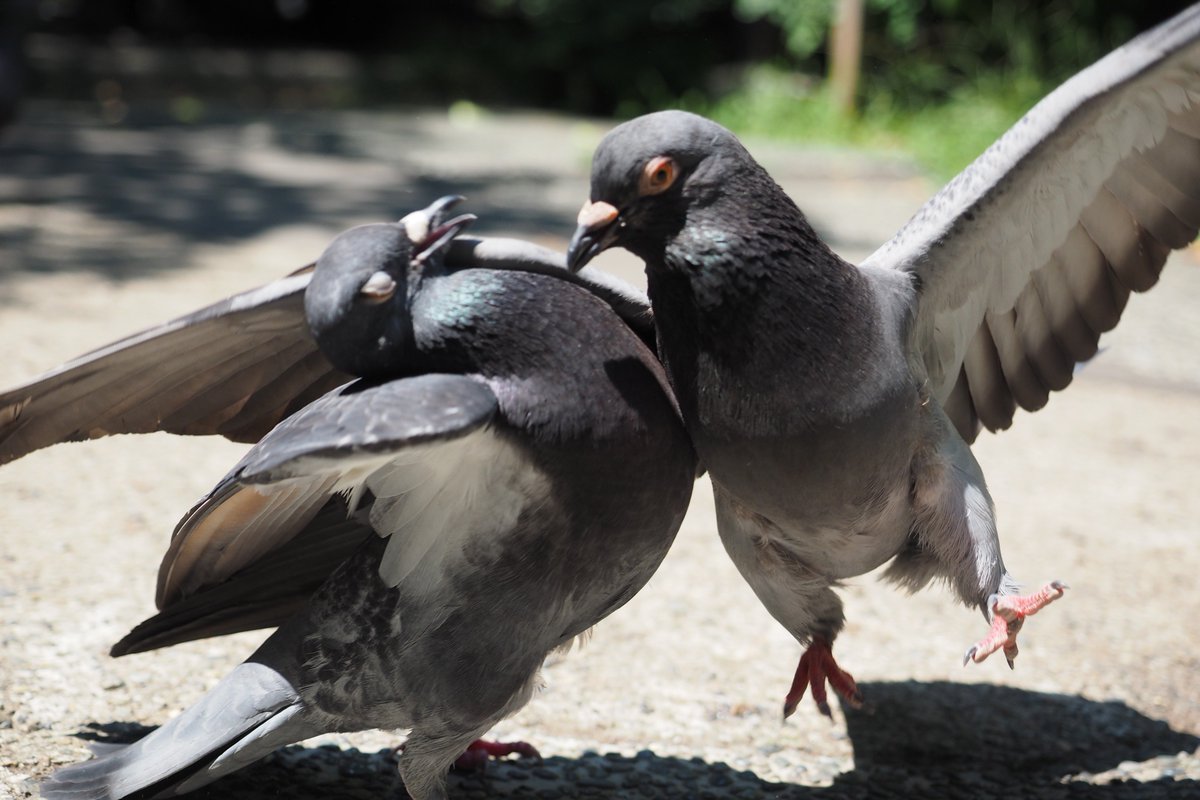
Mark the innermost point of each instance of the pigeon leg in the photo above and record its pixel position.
(816, 666)
(481, 750)
(1008, 617)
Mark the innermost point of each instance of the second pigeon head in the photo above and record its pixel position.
(357, 303)
(655, 174)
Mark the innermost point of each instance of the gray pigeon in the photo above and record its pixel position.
(237, 367)
(509, 470)
(834, 404)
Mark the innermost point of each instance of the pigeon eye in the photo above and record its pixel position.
(379, 287)
(657, 176)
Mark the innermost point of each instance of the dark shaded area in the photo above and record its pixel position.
(931, 740)
(618, 57)
(136, 198)
(572, 54)
(16, 17)
(970, 739)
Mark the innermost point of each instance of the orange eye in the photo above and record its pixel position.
(657, 176)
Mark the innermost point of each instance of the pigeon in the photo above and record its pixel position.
(507, 468)
(239, 366)
(834, 404)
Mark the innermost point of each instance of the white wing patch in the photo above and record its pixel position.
(431, 500)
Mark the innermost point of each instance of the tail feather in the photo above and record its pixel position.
(282, 729)
(221, 725)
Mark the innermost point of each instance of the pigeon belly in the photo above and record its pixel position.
(835, 539)
(796, 496)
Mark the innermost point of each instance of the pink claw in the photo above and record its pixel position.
(816, 666)
(480, 751)
(1008, 617)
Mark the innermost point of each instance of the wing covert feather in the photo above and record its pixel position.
(327, 449)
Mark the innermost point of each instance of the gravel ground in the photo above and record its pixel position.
(104, 230)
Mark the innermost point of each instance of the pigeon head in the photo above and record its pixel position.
(649, 175)
(357, 303)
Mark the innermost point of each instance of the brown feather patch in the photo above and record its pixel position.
(202, 542)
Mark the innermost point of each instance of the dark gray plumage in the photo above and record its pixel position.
(513, 471)
(833, 404)
(237, 367)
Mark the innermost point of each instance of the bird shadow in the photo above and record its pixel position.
(940, 740)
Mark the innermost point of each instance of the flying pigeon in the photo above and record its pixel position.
(832, 404)
(508, 469)
(239, 366)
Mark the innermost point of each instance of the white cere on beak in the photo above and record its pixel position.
(379, 287)
(416, 225)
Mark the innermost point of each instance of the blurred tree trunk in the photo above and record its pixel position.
(845, 54)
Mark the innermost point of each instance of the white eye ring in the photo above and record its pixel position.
(379, 287)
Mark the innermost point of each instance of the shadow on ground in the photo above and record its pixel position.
(79, 195)
(927, 740)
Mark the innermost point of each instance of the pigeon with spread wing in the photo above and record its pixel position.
(834, 404)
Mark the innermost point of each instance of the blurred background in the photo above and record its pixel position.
(180, 123)
(938, 78)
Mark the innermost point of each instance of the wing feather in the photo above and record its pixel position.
(1068, 321)
(1046, 354)
(229, 529)
(261, 595)
(281, 398)
(1029, 254)
(993, 401)
(1024, 383)
(184, 376)
(332, 448)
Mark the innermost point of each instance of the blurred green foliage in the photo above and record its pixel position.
(941, 78)
(943, 136)
(925, 50)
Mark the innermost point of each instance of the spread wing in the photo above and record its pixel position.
(237, 367)
(1029, 254)
(234, 368)
(359, 462)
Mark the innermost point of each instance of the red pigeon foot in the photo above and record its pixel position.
(478, 753)
(1008, 615)
(816, 666)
